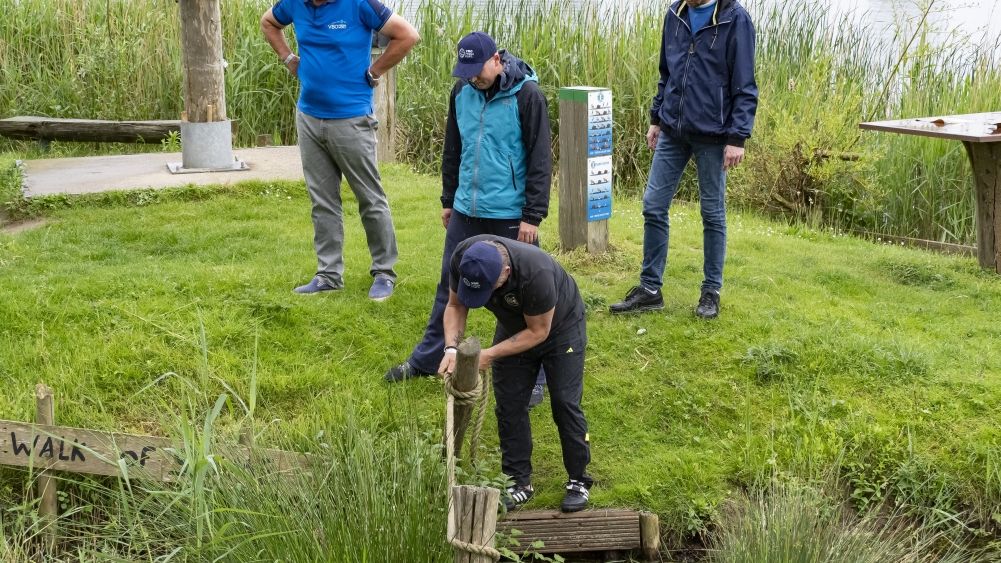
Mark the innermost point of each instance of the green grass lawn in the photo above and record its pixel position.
(831, 356)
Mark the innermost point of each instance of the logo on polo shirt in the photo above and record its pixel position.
(472, 284)
(466, 53)
(339, 24)
(511, 300)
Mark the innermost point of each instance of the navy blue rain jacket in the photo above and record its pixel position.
(707, 91)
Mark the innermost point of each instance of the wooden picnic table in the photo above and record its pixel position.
(981, 135)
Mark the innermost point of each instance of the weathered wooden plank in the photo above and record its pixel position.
(603, 513)
(571, 527)
(87, 130)
(589, 530)
(79, 450)
(971, 128)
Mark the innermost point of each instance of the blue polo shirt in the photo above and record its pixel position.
(335, 50)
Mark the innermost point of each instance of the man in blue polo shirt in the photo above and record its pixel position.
(336, 124)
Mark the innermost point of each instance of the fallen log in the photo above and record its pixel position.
(87, 130)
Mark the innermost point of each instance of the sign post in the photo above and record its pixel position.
(585, 167)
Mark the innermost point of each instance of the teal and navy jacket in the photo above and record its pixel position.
(707, 92)
(498, 162)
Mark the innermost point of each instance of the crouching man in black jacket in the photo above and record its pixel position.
(496, 171)
(540, 322)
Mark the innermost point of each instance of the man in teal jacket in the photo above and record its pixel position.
(497, 171)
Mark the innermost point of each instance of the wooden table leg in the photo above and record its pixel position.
(985, 158)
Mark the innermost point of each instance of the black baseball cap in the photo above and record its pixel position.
(475, 50)
(479, 270)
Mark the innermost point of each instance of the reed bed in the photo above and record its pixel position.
(120, 59)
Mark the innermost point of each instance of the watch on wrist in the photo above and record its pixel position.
(372, 81)
(451, 349)
(288, 59)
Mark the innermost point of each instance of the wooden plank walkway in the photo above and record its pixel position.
(599, 530)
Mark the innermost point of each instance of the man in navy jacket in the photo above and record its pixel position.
(496, 171)
(704, 108)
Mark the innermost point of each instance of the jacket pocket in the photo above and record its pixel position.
(514, 178)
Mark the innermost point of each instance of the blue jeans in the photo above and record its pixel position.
(669, 162)
(427, 355)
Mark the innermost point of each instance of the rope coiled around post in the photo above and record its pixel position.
(484, 550)
(467, 398)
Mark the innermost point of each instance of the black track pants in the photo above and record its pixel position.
(562, 356)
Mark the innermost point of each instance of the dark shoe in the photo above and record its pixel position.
(517, 496)
(575, 499)
(382, 289)
(639, 299)
(402, 372)
(538, 393)
(314, 287)
(708, 305)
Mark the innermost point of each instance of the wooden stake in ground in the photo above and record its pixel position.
(462, 382)
(201, 60)
(465, 380)
(48, 506)
(650, 535)
(476, 524)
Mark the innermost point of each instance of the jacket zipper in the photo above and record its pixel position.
(479, 142)
(684, 84)
(688, 63)
(514, 181)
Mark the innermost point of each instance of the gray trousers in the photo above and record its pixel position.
(331, 148)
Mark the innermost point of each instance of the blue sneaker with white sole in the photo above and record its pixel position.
(314, 287)
(382, 289)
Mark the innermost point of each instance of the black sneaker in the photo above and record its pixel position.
(538, 393)
(708, 305)
(575, 499)
(517, 496)
(639, 299)
(402, 372)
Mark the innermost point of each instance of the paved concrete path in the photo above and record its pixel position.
(92, 174)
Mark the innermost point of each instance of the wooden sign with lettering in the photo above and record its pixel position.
(103, 453)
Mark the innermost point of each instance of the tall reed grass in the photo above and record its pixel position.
(369, 492)
(119, 59)
(798, 523)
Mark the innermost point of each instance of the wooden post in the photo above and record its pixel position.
(204, 89)
(465, 378)
(265, 140)
(476, 520)
(48, 506)
(385, 112)
(585, 167)
(985, 160)
(650, 535)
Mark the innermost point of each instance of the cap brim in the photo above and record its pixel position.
(467, 70)
(474, 298)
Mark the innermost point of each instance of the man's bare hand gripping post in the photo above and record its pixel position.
(455, 325)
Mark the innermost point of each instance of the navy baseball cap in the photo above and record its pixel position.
(475, 50)
(479, 270)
